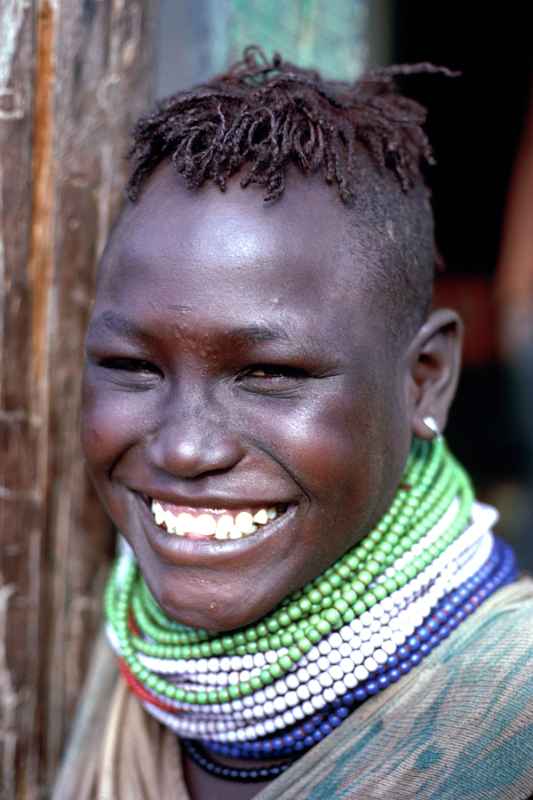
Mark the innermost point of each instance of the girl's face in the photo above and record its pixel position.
(235, 362)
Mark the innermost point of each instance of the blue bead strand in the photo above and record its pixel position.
(248, 775)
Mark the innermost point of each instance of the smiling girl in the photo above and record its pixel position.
(310, 603)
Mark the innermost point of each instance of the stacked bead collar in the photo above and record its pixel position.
(450, 612)
(299, 671)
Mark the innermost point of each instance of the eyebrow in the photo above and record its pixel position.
(116, 323)
(257, 334)
(254, 333)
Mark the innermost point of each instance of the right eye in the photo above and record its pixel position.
(124, 364)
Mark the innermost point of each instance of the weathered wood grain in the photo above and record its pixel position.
(21, 500)
(73, 77)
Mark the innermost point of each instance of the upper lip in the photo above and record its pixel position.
(210, 501)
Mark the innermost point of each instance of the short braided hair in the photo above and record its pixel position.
(266, 115)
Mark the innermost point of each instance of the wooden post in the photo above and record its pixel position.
(74, 74)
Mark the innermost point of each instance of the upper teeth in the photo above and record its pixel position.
(220, 526)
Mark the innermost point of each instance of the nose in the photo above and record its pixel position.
(193, 441)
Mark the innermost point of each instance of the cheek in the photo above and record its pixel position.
(347, 453)
(110, 423)
(333, 441)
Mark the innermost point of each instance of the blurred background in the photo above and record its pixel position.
(73, 78)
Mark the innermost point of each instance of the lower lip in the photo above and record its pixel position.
(175, 548)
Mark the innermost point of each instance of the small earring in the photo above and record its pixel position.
(431, 423)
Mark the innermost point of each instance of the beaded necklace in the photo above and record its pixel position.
(453, 610)
(349, 633)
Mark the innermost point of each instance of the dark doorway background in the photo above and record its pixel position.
(474, 121)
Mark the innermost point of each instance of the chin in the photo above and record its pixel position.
(205, 604)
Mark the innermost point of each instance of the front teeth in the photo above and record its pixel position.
(244, 522)
(205, 525)
(223, 526)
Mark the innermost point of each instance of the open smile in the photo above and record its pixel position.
(212, 523)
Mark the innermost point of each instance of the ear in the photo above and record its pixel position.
(434, 365)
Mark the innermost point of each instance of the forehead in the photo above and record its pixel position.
(231, 253)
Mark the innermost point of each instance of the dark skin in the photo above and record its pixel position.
(235, 358)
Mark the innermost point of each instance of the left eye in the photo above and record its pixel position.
(273, 372)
